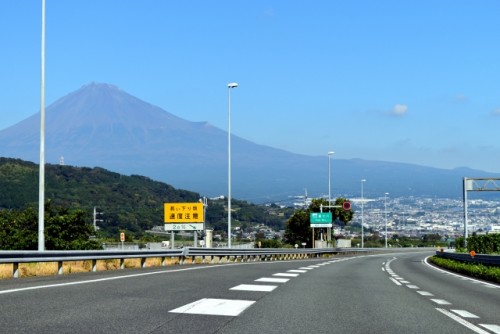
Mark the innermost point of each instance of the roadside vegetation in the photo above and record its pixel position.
(479, 244)
(480, 271)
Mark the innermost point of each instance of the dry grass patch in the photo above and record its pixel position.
(70, 267)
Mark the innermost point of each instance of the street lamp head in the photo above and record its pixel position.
(232, 85)
(331, 153)
(363, 180)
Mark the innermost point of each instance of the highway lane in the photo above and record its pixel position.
(338, 295)
(473, 301)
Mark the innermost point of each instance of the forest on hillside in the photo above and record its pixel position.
(123, 203)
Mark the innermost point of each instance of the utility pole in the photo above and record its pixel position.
(95, 218)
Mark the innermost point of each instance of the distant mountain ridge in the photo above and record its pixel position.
(101, 125)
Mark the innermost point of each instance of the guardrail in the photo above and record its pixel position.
(491, 260)
(180, 256)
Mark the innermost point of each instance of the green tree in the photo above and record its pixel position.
(68, 230)
(64, 230)
(298, 228)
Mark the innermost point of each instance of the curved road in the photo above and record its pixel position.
(392, 293)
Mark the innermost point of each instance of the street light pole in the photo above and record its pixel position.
(362, 215)
(41, 187)
(329, 229)
(385, 208)
(229, 87)
(329, 178)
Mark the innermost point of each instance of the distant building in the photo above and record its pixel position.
(492, 229)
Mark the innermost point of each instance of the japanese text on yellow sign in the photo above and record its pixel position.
(183, 212)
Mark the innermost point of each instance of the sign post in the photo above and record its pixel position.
(183, 216)
(321, 219)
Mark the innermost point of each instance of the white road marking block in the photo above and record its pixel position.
(411, 286)
(462, 321)
(395, 281)
(209, 306)
(425, 293)
(464, 314)
(254, 287)
(494, 328)
(305, 268)
(441, 301)
(272, 280)
(296, 271)
(286, 274)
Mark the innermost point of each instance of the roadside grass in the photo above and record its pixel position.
(480, 271)
(50, 268)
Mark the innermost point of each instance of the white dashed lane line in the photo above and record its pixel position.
(272, 280)
(464, 314)
(457, 315)
(286, 274)
(425, 293)
(441, 301)
(395, 281)
(210, 306)
(254, 287)
(296, 271)
(231, 307)
(462, 321)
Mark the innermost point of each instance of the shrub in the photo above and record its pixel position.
(487, 273)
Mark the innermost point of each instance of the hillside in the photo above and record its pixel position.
(132, 203)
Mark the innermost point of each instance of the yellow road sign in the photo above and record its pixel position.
(183, 212)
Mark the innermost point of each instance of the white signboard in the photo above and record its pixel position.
(184, 227)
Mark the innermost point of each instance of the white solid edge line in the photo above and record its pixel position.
(462, 321)
(494, 328)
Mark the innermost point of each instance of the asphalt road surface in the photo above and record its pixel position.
(392, 293)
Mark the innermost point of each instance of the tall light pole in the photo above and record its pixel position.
(329, 178)
(41, 188)
(385, 209)
(362, 215)
(329, 229)
(229, 87)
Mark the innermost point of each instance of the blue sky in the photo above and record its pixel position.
(402, 81)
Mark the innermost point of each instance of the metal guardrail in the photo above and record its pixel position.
(181, 256)
(491, 260)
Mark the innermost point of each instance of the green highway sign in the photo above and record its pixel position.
(321, 219)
